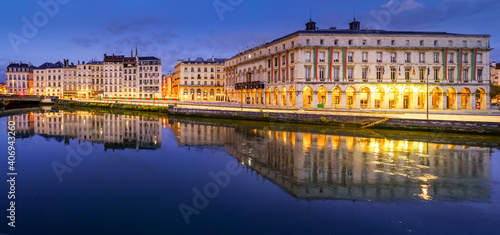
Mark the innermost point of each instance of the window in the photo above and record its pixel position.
(322, 73)
(379, 42)
(465, 75)
(336, 57)
(435, 43)
(364, 72)
(364, 56)
(292, 58)
(349, 57)
(464, 43)
(421, 73)
(350, 42)
(450, 57)
(336, 74)
(321, 41)
(451, 72)
(407, 74)
(293, 43)
(379, 57)
(393, 57)
(393, 74)
(292, 72)
(283, 60)
(276, 76)
(450, 43)
(421, 58)
(465, 58)
(479, 58)
(407, 57)
(308, 73)
(308, 41)
(479, 44)
(407, 43)
(349, 73)
(364, 42)
(336, 42)
(436, 58)
(283, 75)
(308, 56)
(480, 75)
(436, 74)
(269, 63)
(276, 61)
(379, 73)
(321, 57)
(393, 42)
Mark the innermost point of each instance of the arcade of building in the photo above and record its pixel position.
(363, 69)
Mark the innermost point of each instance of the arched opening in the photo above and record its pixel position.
(292, 97)
(437, 98)
(364, 98)
(268, 96)
(322, 92)
(351, 97)
(408, 98)
(451, 98)
(337, 98)
(307, 97)
(393, 98)
(421, 99)
(379, 98)
(276, 97)
(185, 94)
(260, 99)
(465, 101)
(481, 99)
(192, 94)
(283, 97)
(212, 94)
(198, 94)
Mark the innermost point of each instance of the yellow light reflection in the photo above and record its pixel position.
(425, 192)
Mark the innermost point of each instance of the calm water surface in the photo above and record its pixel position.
(95, 173)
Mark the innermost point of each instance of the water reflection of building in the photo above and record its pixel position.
(112, 130)
(314, 166)
(24, 125)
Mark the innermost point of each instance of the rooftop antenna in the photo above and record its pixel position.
(310, 11)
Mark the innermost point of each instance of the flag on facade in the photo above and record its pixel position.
(413, 73)
(428, 71)
(383, 70)
(399, 74)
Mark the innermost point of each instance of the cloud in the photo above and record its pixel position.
(406, 5)
(85, 41)
(136, 25)
(417, 16)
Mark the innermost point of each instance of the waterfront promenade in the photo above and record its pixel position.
(442, 115)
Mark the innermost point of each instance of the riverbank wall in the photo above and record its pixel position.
(301, 117)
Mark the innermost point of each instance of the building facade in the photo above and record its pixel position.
(363, 69)
(495, 74)
(115, 76)
(19, 78)
(199, 80)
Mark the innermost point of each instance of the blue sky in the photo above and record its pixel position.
(176, 29)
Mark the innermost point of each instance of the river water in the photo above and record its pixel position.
(85, 172)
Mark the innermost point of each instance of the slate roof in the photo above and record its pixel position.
(148, 58)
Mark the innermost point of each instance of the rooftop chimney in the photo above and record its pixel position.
(354, 25)
(311, 25)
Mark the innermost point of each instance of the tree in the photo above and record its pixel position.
(494, 90)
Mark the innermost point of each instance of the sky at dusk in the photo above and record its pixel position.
(175, 29)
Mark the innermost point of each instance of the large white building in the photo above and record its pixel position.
(363, 69)
(19, 78)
